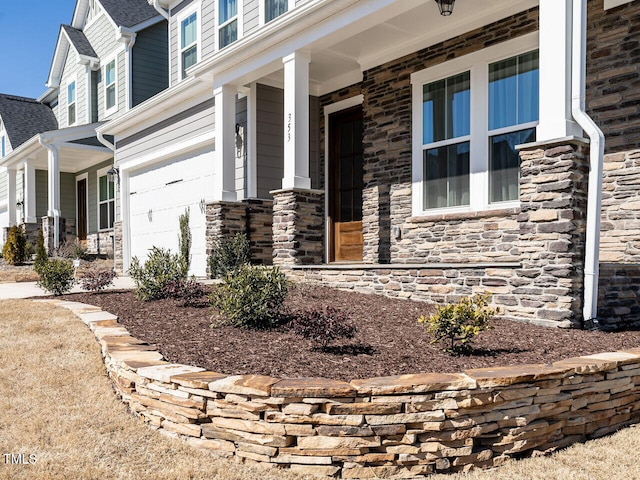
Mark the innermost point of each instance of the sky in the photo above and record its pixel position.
(28, 34)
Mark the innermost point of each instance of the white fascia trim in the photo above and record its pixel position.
(615, 3)
(157, 105)
(18, 155)
(168, 152)
(55, 72)
(146, 24)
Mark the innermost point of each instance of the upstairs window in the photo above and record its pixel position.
(71, 103)
(188, 43)
(274, 8)
(227, 22)
(2, 147)
(110, 90)
(106, 202)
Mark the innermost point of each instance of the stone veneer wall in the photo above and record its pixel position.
(619, 296)
(100, 243)
(406, 426)
(253, 217)
(67, 231)
(298, 227)
(117, 246)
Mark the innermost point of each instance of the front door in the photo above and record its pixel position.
(81, 205)
(345, 185)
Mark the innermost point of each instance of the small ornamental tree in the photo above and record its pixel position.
(184, 242)
(458, 324)
(41, 252)
(14, 251)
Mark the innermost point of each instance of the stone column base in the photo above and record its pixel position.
(298, 227)
(48, 224)
(118, 255)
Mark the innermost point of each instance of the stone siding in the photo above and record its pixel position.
(406, 426)
(619, 296)
(613, 73)
(298, 227)
(253, 217)
(100, 243)
(117, 247)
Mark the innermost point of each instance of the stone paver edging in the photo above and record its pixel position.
(405, 426)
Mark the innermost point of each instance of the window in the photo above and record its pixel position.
(71, 103)
(188, 42)
(110, 91)
(469, 114)
(274, 8)
(2, 147)
(227, 22)
(106, 202)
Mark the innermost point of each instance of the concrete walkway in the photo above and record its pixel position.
(30, 289)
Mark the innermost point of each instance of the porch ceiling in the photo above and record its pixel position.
(72, 157)
(339, 58)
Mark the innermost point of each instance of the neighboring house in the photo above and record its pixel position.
(112, 57)
(381, 146)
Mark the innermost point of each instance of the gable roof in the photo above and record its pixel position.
(79, 41)
(25, 117)
(128, 13)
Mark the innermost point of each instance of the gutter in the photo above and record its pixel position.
(594, 199)
(104, 141)
(156, 4)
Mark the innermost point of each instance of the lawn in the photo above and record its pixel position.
(57, 404)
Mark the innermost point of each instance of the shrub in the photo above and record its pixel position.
(97, 280)
(460, 322)
(41, 252)
(151, 278)
(251, 297)
(14, 251)
(75, 250)
(184, 242)
(56, 276)
(229, 255)
(190, 292)
(323, 326)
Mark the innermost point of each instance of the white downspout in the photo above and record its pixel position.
(156, 4)
(594, 200)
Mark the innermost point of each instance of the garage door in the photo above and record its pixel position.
(160, 194)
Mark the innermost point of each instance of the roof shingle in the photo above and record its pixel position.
(25, 117)
(80, 41)
(128, 13)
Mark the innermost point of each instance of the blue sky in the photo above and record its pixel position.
(28, 34)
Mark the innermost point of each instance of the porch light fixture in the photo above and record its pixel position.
(446, 7)
(114, 175)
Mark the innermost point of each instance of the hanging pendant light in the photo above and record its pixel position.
(446, 7)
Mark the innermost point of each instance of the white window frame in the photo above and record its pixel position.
(101, 173)
(73, 81)
(263, 11)
(182, 17)
(239, 18)
(110, 110)
(477, 63)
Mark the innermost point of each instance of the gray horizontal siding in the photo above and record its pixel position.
(251, 15)
(150, 63)
(241, 146)
(42, 193)
(68, 195)
(314, 143)
(270, 139)
(183, 126)
(3, 187)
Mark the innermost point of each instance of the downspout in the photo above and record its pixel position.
(594, 199)
(156, 4)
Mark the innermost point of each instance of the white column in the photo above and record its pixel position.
(296, 121)
(225, 153)
(30, 191)
(556, 120)
(54, 192)
(11, 195)
(251, 138)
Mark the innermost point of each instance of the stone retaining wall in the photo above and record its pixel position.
(406, 426)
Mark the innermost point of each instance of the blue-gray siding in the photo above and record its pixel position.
(150, 63)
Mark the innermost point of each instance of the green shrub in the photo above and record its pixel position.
(14, 251)
(56, 276)
(151, 278)
(190, 292)
(41, 252)
(323, 326)
(184, 242)
(251, 297)
(229, 255)
(458, 324)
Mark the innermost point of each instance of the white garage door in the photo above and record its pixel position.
(160, 194)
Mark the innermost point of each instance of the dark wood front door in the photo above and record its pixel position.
(345, 185)
(81, 202)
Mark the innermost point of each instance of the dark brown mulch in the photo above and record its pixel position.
(389, 340)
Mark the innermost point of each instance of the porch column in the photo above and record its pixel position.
(556, 120)
(30, 191)
(54, 192)
(296, 121)
(11, 195)
(225, 154)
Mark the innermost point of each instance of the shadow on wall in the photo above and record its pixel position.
(619, 296)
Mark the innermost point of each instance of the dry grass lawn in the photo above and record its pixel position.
(57, 403)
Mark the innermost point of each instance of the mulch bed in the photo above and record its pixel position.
(389, 340)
